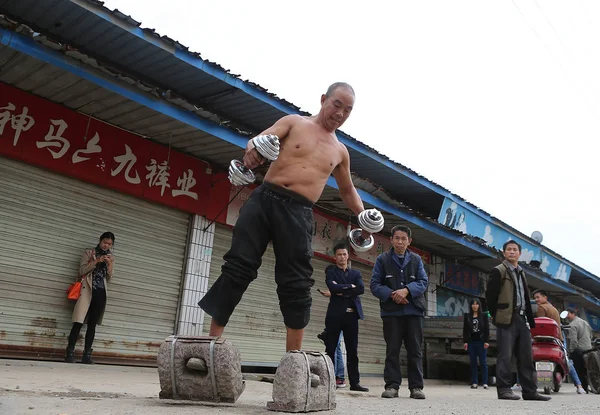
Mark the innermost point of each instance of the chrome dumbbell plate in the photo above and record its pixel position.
(371, 220)
(267, 146)
(239, 175)
(358, 243)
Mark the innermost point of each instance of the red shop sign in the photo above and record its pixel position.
(48, 135)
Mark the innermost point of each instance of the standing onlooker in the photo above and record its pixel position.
(338, 363)
(580, 341)
(95, 270)
(572, 372)
(476, 336)
(344, 311)
(399, 281)
(508, 301)
(545, 309)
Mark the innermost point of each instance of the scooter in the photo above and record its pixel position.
(549, 354)
(592, 361)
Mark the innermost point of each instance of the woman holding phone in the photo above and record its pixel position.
(95, 270)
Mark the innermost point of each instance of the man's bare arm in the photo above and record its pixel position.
(281, 129)
(541, 312)
(347, 190)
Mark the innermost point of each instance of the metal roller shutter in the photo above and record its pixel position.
(46, 221)
(256, 326)
(371, 345)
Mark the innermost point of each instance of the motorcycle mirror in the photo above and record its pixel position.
(564, 314)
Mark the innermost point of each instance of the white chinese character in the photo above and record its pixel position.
(159, 175)
(6, 116)
(92, 147)
(56, 140)
(128, 159)
(185, 183)
(19, 123)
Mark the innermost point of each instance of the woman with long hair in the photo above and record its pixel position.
(476, 337)
(95, 270)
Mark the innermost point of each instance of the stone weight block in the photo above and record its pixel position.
(304, 382)
(199, 369)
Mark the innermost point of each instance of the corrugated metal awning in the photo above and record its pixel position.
(50, 82)
(62, 86)
(118, 42)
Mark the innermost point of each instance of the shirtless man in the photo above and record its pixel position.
(280, 210)
(545, 309)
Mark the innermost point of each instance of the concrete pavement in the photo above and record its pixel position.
(50, 388)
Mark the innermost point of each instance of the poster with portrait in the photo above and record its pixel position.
(456, 216)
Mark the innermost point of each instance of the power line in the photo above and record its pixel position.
(533, 29)
(594, 104)
(551, 26)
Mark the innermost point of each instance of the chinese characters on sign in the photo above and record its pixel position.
(185, 184)
(49, 135)
(91, 148)
(56, 140)
(127, 161)
(327, 233)
(19, 123)
(462, 278)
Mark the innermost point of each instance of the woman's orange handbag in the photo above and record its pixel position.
(74, 291)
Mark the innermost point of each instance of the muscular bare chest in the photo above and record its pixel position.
(312, 144)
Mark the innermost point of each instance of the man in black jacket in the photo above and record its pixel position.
(508, 301)
(344, 311)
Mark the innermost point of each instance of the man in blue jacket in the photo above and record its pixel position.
(399, 281)
(343, 312)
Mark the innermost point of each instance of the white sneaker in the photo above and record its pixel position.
(485, 386)
(580, 390)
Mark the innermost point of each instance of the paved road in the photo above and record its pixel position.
(45, 388)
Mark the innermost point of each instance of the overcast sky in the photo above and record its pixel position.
(497, 101)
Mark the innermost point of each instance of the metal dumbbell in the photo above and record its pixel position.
(267, 146)
(371, 220)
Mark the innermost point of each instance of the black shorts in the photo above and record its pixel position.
(272, 213)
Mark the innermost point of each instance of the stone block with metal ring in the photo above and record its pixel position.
(370, 220)
(267, 146)
(304, 382)
(200, 369)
